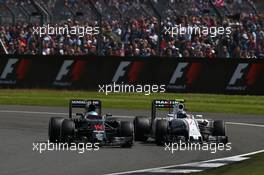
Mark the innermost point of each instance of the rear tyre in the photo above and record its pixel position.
(127, 131)
(224, 140)
(54, 129)
(142, 127)
(161, 132)
(67, 130)
(219, 128)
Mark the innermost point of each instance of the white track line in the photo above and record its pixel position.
(245, 124)
(51, 113)
(188, 164)
(175, 171)
(33, 112)
(119, 116)
(210, 165)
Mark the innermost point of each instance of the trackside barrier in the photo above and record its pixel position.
(226, 76)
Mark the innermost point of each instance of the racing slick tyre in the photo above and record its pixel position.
(127, 131)
(142, 127)
(67, 130)
(54, 129)
(206, 132)
(219, 128)
(161, 132)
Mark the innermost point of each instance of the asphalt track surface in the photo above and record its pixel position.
(20, 126)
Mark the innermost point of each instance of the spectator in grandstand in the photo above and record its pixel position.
(137, 34)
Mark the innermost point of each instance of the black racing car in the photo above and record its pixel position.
(91, 126)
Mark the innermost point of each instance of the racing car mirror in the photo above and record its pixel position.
(79, 115)
(199, 116)
(181, 106)
(108, 115)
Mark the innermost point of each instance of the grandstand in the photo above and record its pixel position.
(134, 27)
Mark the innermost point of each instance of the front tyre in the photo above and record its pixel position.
(219, 128)
(142, 127)
(54, 129)
(161, 132)
(67, 130)
(127, 131)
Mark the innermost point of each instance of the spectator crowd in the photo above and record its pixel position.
(129, 28)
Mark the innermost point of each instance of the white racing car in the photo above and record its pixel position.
(178, 125)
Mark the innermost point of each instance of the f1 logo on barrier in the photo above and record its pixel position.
(14, 70)
(69, 72)
(64, 70)
(120, 72)
(178, 73)
(128, 71)
(184, 75)
(244, 76)
(10, 65)
(238, 74)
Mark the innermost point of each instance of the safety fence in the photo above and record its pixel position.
(230, 76)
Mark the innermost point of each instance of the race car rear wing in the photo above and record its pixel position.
(159, 104)
(77, 103)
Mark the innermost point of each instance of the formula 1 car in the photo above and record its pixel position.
(178, 125)
(91, 126)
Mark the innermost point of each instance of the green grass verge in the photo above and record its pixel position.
(194, 102)
(252, 166)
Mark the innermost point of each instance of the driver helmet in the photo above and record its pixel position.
(90, 109)
(182, 114)
(92, 113)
